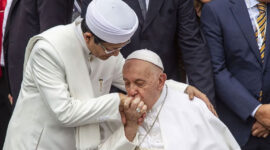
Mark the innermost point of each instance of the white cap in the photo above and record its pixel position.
(111, 20)
(146, 55)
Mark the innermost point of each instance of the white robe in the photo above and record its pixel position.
(186, 125)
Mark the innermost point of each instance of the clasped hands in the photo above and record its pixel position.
(261, 128)
(132, 110)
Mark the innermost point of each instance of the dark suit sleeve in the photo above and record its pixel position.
(228, 88)
(195, 55)
(54, 12)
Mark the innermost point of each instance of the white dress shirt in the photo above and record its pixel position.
(3, 30)
(253, 14)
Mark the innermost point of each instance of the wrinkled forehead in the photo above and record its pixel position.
(137, 67)
(131, 64)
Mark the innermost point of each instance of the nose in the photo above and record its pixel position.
(132, 91)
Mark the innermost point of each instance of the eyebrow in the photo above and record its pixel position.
(139, 80)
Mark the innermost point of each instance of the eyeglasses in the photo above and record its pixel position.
(113, 50)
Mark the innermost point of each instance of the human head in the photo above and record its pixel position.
(109, 26)
(143, 76)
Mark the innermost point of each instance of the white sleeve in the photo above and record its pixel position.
(178, 86)
(49, 76)
(118, 141)
(118, 74)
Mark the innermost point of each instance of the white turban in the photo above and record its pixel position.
(111, 20)
(147, 55)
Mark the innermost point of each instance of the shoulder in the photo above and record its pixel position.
(179, 99)
(44, 51)
(217, 4)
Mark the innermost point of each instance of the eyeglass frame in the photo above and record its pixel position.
(111, 51)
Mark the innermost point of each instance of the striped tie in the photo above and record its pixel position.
(261, 20)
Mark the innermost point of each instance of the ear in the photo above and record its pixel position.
(161, 80)
(87, 36)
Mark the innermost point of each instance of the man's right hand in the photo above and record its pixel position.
(263, 115)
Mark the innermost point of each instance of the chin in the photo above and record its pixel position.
(104, 57)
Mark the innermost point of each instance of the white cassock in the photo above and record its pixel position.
(183, 125)
(64, 88)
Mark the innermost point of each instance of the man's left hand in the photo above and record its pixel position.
(192, 91)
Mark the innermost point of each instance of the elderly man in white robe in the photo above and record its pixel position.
(172, 122)
(68, 71)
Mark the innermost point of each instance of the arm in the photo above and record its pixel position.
(229, 89)
(126, 137)
(54, 12)
(118, 141)
(195, 54)
(49, 77)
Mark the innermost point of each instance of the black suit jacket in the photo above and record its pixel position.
(27, 18)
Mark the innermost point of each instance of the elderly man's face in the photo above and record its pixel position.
(144, 80)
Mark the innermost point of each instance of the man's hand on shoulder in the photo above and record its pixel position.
(192, 91)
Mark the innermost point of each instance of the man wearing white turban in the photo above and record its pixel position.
(68, 71)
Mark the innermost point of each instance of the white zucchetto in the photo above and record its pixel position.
(111, 20)
(146, 55)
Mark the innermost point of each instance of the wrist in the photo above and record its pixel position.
(131, 130)
(132, 124)
(259, 112)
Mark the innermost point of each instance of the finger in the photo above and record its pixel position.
(140, 105)
(255, 132)
(134, 103)
(127, 103)
(204, 98)
(213, 110)
(140, 121)
(10, 98)
(191, 95)
(144, 109)
(260, 134)
(266, 135)
(254, 127)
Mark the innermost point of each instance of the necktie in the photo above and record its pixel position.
(261, 20)
(143, 7)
